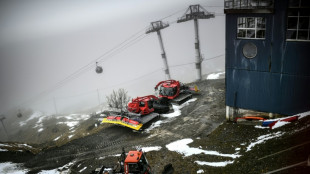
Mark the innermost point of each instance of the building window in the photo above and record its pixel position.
(251, 28)
(248, 4)
(298, 20)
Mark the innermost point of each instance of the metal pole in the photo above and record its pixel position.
(98, 96)
(56, 112)
(6, 132)
(197, 48)
(163, 55)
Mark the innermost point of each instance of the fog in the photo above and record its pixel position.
(44, 42)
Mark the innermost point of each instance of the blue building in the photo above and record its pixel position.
(267, 56)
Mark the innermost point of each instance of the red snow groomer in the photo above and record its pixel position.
(141, 110)
(175, 91)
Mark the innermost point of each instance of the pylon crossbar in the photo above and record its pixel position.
(156, 26)
(195, 12)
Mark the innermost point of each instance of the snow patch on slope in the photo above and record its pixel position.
(177, 112)
(215, 75)
(181, 146)
(12, 168)
(263, 138)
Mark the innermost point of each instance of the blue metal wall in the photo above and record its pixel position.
(277, 80)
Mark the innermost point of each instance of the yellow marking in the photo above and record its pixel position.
(196, 88)
(137, 127)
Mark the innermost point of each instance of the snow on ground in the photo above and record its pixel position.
(261, 127)
(5, 145)
(24, 145)
(214, 164)
(263, 138)
(177, 109)
(153, 148)
(181, 146)
(57, 138)
(215, 75)
(82, 169)
(200, 171)
(280, 124)
(33, 116)
(73, 120)
(63, 169)
(54, 171)
(12, 168)
(175, 113)
(304, 114)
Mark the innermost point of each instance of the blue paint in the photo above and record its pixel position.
(277, 80)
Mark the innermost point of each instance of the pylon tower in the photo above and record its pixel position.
(195, 12)
(156, 27)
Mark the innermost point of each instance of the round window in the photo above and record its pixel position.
(249, 50)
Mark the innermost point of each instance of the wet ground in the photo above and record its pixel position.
(203, 121)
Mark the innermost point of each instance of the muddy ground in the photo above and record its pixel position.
(202, 120)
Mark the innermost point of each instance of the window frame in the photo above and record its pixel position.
(244, 21)
(299, 8)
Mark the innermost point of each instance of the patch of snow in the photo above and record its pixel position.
(11, 168)
(24, 145)
(198, 138)
(261, 127)
(156, 124)
(70, 136)
(237, 149)
(280, 124)
(40, 130)
(3, 150)
(215, 75)
(153, 148)
(82, 169)
(69, 123)
(214, 164)
(242, 144)
(5, 145)
(33, 116)
(200, 171)
(304, 114)
(181, 146)
(176, 113)
(57, 138)
(96, 125)
(177, 109)
(59, 170)
(54, 171)
(263, 138)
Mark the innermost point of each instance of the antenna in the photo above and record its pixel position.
(156, 27)
(195, 12)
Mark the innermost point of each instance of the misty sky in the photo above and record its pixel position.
(43, 42)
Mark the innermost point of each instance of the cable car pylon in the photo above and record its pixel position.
(195, 12)
(156, 27)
